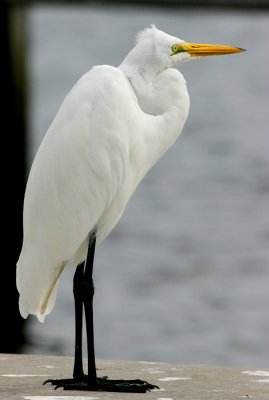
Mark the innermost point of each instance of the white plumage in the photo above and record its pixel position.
(112, 127)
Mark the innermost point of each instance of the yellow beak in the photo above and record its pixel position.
(202, 50)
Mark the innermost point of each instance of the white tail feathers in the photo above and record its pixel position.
(33, 298)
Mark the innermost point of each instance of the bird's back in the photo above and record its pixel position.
(76, 175)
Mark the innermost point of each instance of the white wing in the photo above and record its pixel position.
(74, 178)
(95, 153)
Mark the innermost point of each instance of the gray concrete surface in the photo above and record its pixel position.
(21, 377)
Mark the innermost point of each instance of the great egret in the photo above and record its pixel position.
(112, 127)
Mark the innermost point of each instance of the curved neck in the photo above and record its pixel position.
(163, 98)
(157, 92)
(147, 85)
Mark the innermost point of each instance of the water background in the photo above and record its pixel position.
(184, 276)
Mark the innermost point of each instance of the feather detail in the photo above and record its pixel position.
(147, 33)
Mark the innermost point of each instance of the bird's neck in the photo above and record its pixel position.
(157, 92)
(164, 100)
(144, 83)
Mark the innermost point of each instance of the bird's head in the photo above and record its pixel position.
(157, 50)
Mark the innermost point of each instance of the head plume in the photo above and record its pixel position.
(147, 33)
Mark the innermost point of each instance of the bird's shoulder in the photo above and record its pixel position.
(97, 89)
(101, 85)
(102, 76)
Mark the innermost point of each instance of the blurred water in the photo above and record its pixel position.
(184, 276)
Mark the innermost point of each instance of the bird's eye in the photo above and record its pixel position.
(174, 48)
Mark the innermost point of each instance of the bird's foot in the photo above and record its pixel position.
(104, 384)
(65, 382)
(121, 385)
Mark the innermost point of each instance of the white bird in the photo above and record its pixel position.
(112, 127)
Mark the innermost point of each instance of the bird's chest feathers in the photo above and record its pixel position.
(129, 139)
(160, 109)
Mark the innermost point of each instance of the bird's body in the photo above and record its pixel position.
(112, 127)
(98, 148)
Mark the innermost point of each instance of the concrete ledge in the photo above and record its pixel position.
(21, 377)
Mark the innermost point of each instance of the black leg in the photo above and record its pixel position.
(83, 295)
(87, 298)
(78, 373)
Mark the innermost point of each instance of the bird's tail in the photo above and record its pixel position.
(49, 299)
(37, 297)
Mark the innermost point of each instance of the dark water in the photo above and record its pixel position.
(185, 275)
